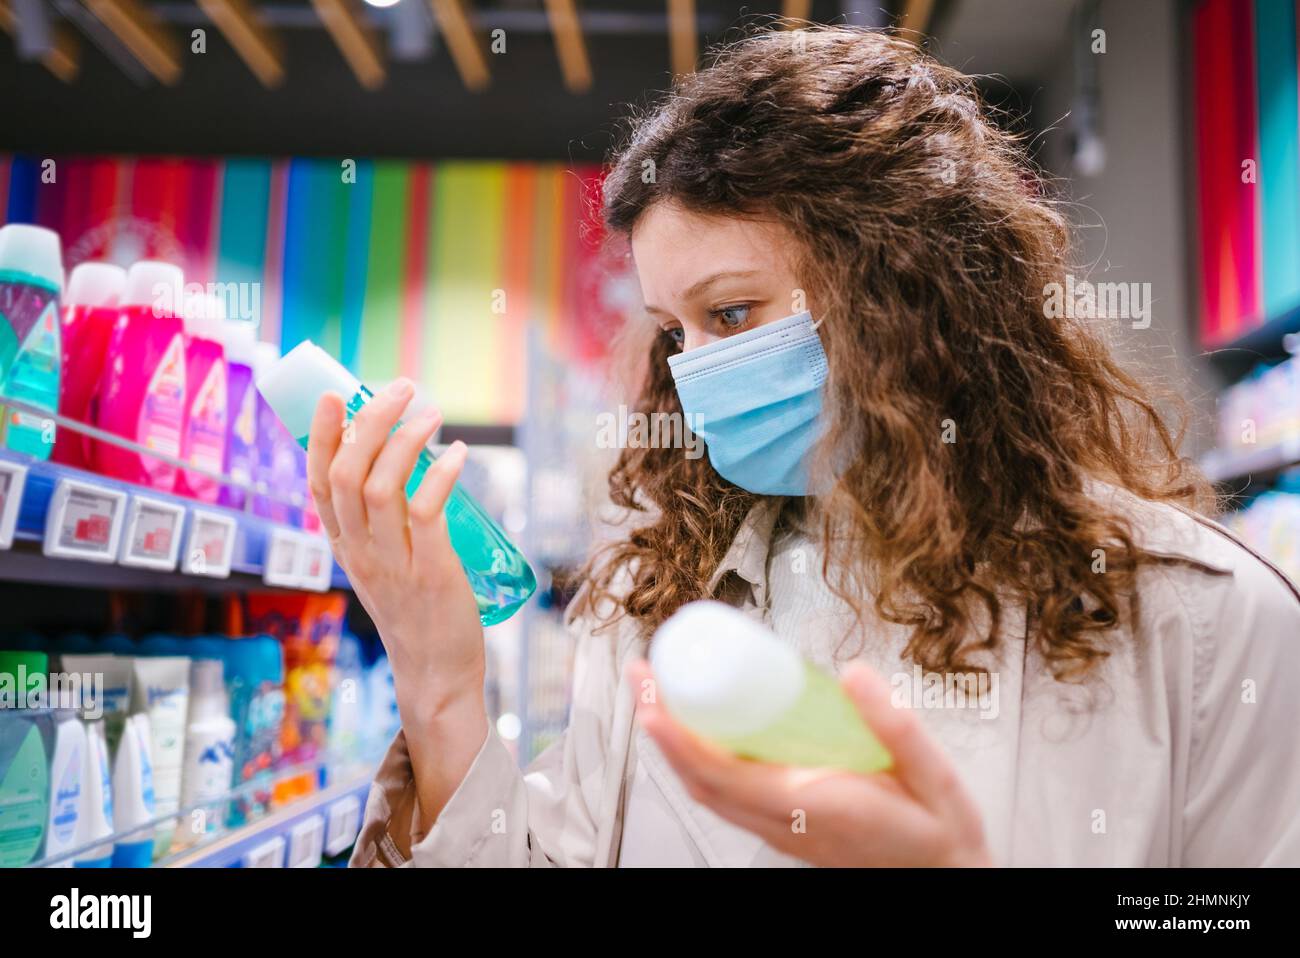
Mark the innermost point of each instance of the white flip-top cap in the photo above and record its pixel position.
(240, 340)
(204, 315)
(33, 250)
(293, 385)
(721, 673)
(96, 285)
(153, 283)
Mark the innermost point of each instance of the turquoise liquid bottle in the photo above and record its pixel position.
(500, 577)
(31, 279)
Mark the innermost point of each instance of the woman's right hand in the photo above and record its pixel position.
(397, 555)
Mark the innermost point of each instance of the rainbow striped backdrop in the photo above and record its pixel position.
(1247, 111)
(430, 270)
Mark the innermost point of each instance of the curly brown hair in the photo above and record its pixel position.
(928, 240)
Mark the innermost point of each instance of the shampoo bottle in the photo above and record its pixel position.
(499, 575)
(24, 772)
(732, 681)
(133, 799)
(96, 819)
(67, 767)
(209, 752)
(89, 315)
(240, 342)
(31, 280)
(204, 434)
(141, 394)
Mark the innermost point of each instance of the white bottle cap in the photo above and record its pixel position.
(156, 284)
(265, 355)
(293, 385)
(240, 339)
(33, 250)
(207, 689)
(95, 285)
(204, 315)
(721, 673)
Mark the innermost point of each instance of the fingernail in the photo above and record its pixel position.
(400, 388)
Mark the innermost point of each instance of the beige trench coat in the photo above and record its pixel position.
(1183, 752)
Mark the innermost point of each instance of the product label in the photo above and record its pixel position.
(282, 558)
(153, 529)
(210, 546)
(206, 426)
(34, 380)
(23, 794)
(163, 412)
(67, 793)
(84, 521)
(243, 438)
(12, 479)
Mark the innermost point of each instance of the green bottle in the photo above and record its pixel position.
(501, 578)
(730, 680)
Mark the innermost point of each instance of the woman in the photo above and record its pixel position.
(914, 469)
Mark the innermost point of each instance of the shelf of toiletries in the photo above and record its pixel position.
(128, 404)
(203, 750)
(65, 525)
(1258, 426)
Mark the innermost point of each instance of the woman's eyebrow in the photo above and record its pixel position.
(702, 286)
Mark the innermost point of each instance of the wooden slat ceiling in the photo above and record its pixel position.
(156, 32)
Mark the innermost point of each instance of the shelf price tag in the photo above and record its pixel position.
(281, 560)
(12, 479)
(152, 537)
(316, 564)
(84, 521)
(209, 545)
(342, 824)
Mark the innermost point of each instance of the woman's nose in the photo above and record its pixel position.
(695, 338)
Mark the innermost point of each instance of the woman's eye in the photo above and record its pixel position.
(733, 317)
(676, 334)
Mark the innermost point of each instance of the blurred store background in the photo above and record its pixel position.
(409, 184)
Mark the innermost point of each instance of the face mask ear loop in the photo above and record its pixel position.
(818, 323)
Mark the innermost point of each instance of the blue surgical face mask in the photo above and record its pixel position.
(755, 399)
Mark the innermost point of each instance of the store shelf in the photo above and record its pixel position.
(1259, 464)
(331, 815)
(270, 841)
(1263, 343)
(254, 538)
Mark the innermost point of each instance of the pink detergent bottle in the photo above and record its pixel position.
(141, 395)
(89, 315)
(203, 436)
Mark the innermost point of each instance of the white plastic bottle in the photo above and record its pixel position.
(209, 752)
(96, 819)
(133, 801)
(66, 769)
(729, 679)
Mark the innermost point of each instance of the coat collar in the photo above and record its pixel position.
(747, 555)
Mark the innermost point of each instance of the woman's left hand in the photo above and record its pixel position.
(914, 814)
